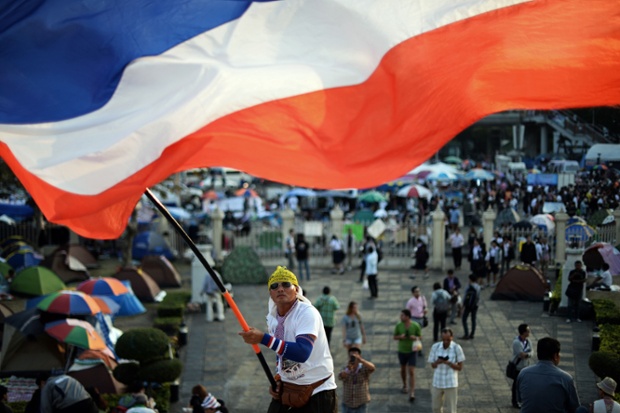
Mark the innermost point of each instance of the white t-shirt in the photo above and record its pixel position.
(305, 319)
(606, 278)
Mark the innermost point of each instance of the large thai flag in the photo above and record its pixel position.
(100, 99)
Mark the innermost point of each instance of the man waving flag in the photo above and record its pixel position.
(102, 99)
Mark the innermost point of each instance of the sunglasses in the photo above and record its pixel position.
(284, 284)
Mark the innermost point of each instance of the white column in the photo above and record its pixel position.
(199, 272)
(488, 220)
(544, 139)
(560, 237)
(438, 239)
(288, 223)
(337, 216)
(218, 230)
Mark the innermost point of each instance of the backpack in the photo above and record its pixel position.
(442, 305)
(470, 298)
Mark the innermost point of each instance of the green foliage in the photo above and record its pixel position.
(610, 338)
(170, 310)
(126, 373)
(605, 364)
(607, 312)
(142, 344)
(270, 240)
(169, 325)
(243, 266)
(556, 294)
(162, 371)
(176, 298)
(18, 407)
(596, 219)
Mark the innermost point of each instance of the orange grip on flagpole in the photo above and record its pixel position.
(235, 309)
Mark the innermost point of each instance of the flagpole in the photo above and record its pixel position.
(213, 275)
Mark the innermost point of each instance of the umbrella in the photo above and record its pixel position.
(380, 213)
(70, 303)
(445, 176)
(7, 219)
(179, 213)
(608, 220)
(507, 216)
(453, 160)
(76, 332)
(524, 224)
(372, 196)
(415, 191)
(579, 232)
(103, 286)
(602, 252)
(479, 174)
(246, 192)
(106, 304)
(36, 281)
(300, 192)
(211, 195)
(598, 217)
(575, 220)
(543, 221)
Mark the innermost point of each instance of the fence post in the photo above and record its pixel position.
(288, 223)
(217, 217)
(488, 221)
(617, 217)
(337, 215)
(438, 238)
(560, 237)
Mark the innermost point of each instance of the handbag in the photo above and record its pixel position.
(296, 396)
(424, 321)
(365, 284)
(416, 345)
(511, 370)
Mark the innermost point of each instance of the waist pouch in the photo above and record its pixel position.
(295, 395)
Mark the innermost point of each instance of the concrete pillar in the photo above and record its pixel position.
(199, 272)
(218, 230)
(488, 220)
(544, 139)
(560, 237)
(617, 216)
(438, 239)
(288, 223)
(337, 217)
(572, 255)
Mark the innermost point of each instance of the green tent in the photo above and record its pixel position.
(4, 268)
(36, 281)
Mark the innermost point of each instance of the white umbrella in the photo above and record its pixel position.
(543, 220)
(380, 213)
(7, 219)
(414, 191)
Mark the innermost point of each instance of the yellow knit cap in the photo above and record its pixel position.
(282, 274)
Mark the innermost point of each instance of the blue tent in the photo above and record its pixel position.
(150, 243)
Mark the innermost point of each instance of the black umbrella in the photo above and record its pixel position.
(522, 225)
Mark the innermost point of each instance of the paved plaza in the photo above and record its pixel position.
(218, 358)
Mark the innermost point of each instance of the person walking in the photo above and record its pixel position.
(574, 291)
(521, 356)
(296, 335)
(213, 298)
(327, 305)
(543, 255)
(406, 331)
(544, 387)
(370, 242)
(417, 306)
(353, 332)
(337, 248)
(606, 403)
(492, 259)
(457, 241)
(508, 254)
(446, 358)
(302, 253)
(355, 378)
(372, 261)
(441, 305)
(289, 249)
(476, 260)
(452, 285)
(470, 307)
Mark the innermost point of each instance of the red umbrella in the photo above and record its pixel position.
(70, 303)
(210, 195)
(76, 332)
(103, 286)
(247, 192)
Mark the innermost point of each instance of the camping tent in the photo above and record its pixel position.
(521, 282)
(150, 243)
(36, 281)
(67, 267)
(95, 373)
(80, 253)
(161, 271)
(142, 284)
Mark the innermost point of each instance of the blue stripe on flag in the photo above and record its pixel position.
(59, 59)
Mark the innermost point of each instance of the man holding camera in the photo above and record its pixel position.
(446, 358)
(355, 379)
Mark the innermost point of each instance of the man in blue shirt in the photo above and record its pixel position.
(544, 387)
